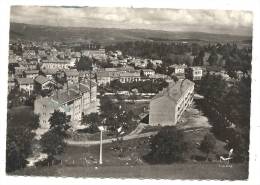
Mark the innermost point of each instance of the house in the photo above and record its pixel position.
(178, 70)
(239, 74)
(194, 73)
(148, 72)
(18, 71)
(168, 105)
(11, 83)
(75, 100)
(31, 73)
(130, 77)
(98, 54)
(49, 73)
(103, 78)
(72, 76)
(55, 63)
(26, 84)
(156, 62)
(42, 82)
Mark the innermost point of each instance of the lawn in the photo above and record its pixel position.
(186, 171)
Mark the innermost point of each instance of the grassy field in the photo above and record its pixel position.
(173, 171)
(83, 162)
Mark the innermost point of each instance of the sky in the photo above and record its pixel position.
(211, 21)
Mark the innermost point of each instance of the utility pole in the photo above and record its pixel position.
(101, 128)
(100, 153)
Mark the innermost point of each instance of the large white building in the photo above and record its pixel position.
(168, 105)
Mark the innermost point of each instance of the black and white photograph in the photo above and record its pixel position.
(129, 92)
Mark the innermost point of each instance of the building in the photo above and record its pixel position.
(26, 84)
(31, 73)
(130, 77)
(42, 83)
(75, 100)
(103, 78)
(168, 105)
(49, 73)
(148, 72)
(178, 70)
(194, 73)
(55, 63)
(11, 83)
(98, 54)
(72, 76)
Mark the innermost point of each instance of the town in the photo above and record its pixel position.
(83, 108)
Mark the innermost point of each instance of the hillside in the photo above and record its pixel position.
(111, 35)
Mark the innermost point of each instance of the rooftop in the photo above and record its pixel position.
(175, 90)
(32, 72)
(41, 79)
(64, 96)
(23, 81)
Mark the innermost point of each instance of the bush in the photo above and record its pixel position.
(167, 146)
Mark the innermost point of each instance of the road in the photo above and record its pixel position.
(127, 137)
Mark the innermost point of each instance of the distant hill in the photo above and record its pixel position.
(112, 35)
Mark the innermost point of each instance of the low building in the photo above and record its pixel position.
(11, 83)
(49, 73)
(130, 77)
(148, 72)
(31, 73)
(55, 63)
(168, 105)
(103, 78)
(194, 73)
(26, 84)
(42, 82)
(178, 70)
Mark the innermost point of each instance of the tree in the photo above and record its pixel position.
(208, 143)
(84, 63)
(167, 146)
(52, 142)
(18, 147)
(93, 120)
(59, 123)
(20, 135)
(213, 59)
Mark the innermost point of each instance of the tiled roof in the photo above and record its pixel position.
(63, 96)
(49, 71)
(41, 79)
